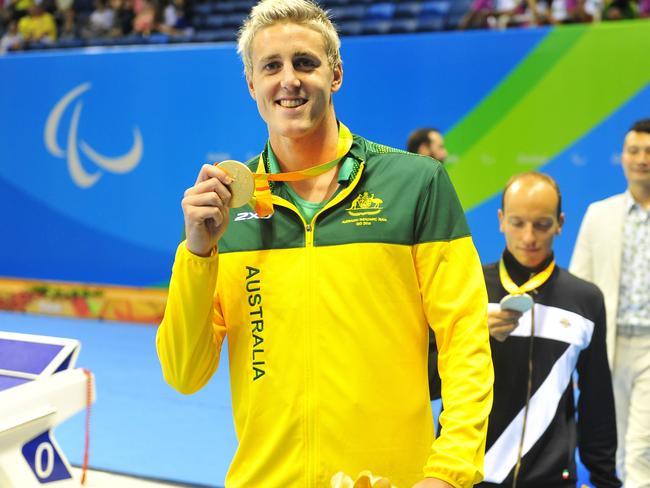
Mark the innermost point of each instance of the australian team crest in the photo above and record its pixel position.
(365, 204)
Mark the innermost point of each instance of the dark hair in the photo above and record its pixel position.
(642, 125)
(540, 176)
(419, 137)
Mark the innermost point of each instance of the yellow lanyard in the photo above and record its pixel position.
(535, 282)
(262, 198)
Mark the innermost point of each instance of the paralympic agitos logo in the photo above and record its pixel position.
(79, 174)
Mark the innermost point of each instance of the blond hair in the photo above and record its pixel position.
(304, 12)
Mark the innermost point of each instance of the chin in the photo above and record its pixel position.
(295, 130)
(529, 262)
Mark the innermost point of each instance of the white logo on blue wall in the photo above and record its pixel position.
(81, 177)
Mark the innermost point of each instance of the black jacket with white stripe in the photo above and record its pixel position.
(568, 335)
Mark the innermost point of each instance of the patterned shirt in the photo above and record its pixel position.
(634, 291)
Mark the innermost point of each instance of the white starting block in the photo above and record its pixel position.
(39, 389)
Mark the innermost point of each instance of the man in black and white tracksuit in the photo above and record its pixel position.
(551, 325)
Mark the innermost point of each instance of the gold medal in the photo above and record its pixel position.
(243, 183)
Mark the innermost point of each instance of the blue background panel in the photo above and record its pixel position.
(178, 108)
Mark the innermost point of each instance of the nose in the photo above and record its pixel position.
(290, 78)
(646, 155)
(528, 235)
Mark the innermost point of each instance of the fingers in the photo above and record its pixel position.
(213, 194)
(209, 171)
(197, 214)
(502, 322)
(205, 207)
(504, 316)
(510, 314)
(210, 189)
(211, 180)
(502, 332)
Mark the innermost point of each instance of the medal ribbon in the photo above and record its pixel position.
(262, 198)
(535, 282)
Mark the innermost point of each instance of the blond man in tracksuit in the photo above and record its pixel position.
(326, 302)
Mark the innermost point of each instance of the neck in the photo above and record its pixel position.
(518, 270)
(317, 147)
(641, 195)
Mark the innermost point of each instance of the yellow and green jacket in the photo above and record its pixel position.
(327, 330)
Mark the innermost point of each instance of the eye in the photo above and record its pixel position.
(305, 63)
(543, 225)
(271, 66)
(633, 150)
(515, 222)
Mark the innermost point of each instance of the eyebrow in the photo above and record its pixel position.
(304, 53)
(272, 57)
(535, 219)
(268, 58)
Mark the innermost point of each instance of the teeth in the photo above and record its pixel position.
(292, 103)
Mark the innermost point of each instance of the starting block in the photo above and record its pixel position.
(39, 389)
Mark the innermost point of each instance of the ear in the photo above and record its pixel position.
(337, 81)
(560, 223)
(501, 220)
(251, 87)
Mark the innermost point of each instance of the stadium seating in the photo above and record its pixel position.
(219, 20)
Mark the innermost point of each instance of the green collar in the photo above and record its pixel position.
(348, 165)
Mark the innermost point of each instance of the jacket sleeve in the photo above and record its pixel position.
(455, 304)
(189, 340)
(596, 414)
(581, 260)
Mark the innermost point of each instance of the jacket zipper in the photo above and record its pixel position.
(310, 410)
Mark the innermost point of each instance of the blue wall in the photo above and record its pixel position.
(69, 215)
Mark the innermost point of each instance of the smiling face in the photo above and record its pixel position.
(292, 81)
(529, 220)
(636, 159)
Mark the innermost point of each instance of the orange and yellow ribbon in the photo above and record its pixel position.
(262, 198)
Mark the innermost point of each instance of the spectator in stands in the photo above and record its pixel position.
(564, 11)
(5, 17)
(11, 40)
(644, 8)
(4, 14)
(541, 12)
(621, 10)
(123, 19)
(100, 22)
(504, 13)
(477, 15)
(38, 26)
(67, 24)
(511, 13)
(17, 9)
(144, 22)
(65, 17)
(428, 142)
(176, 21)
